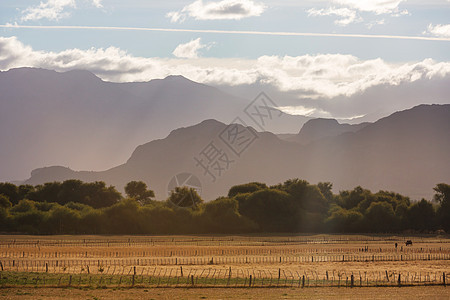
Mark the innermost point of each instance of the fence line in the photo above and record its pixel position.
(43, 252)
(208, 241)
(224, 277)
(217, 260)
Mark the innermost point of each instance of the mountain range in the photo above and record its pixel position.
(77, 120)
(406, 152)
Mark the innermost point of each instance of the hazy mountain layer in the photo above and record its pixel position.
(407, 152)
(75, 119)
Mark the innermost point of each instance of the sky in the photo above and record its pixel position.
(333, 58)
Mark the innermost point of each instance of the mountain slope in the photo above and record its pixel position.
(75, 119)
(407, 152)
(317, 129)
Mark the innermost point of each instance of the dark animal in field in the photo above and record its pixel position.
(408, 243)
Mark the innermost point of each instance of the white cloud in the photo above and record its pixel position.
(189, 49)
(348, 12)
(53, 10)
(439, 30)
(376, 6)
(300, 110)
(97, 3)
(314, 76)
(222, 10)
(346, 15)
(377, 22)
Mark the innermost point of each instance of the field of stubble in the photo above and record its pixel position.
(164, 267)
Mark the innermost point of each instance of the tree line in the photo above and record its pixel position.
(295, 206)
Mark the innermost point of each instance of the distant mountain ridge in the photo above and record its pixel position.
(407, 152)
(317, 129)
(75, 119)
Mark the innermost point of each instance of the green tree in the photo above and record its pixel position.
(70, 191)
(355, 197)
(24, 190)
(10, 190)
(4, 202)
(63, 220)
(98, 195)
(185, 197)
(342, 220)
(4, 219)
(442, 196)
(123, 217)
(273, 210)
(306, 196)
(92, 221)
(222, 216)
(31, 222)
(139, 191)
(326, 190)
(380, 217)
(48, 192)
(23, 206)
(421, 216)
(159, 219)
(246, 188)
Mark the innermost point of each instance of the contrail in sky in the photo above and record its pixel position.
(244, 32)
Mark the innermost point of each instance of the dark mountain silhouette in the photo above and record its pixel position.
(75, 119)
(407, 152)
(317, 129)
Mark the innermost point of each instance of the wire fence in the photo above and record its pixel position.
(26, 264)
(217, 277)
(212, 241)
(409, 253)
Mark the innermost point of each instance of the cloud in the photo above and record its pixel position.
(439, 30)
(189, 49)
(346, 15)
(375, 6)
(52, 10)
(222, 10)
(348, 12)
(300, 110)
(307, 76)
(97, 3)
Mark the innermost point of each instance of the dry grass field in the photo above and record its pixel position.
(208, 266)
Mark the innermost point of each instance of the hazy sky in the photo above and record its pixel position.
(318, 51)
